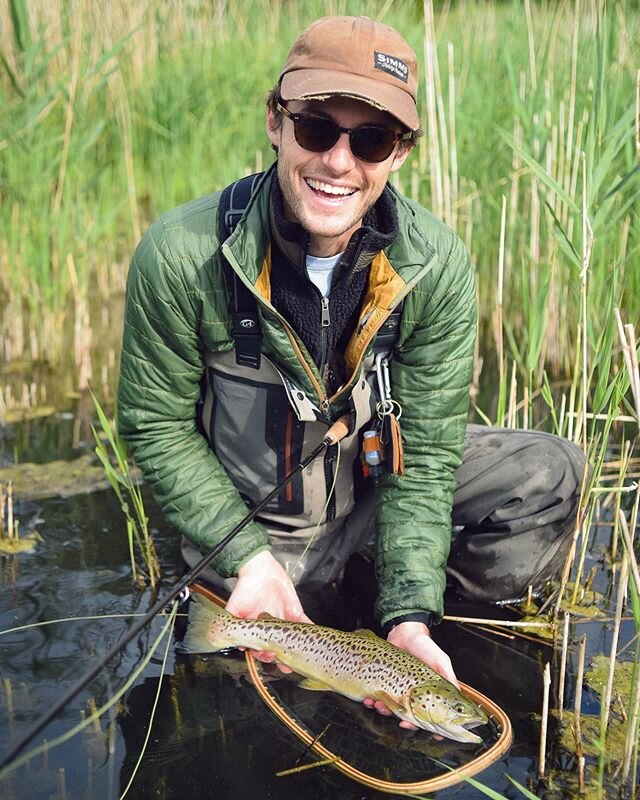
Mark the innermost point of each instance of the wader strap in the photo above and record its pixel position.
(245, 323)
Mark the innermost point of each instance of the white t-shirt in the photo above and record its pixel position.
(320, 271)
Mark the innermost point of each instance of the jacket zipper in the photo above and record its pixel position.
(324, 401)
(325, 322)
(356, 369)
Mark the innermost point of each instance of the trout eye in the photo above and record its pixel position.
(459, 708)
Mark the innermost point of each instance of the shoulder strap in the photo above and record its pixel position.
(388, 334)
(245, 322)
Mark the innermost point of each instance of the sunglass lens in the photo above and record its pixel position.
(372, 142)
(316, 133)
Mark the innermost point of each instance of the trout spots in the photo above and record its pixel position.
(359, 665)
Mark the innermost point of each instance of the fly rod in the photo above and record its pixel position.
(336, 433)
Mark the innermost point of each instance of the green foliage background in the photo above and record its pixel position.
(112, 113)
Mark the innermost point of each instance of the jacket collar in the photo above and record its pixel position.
(378, 231)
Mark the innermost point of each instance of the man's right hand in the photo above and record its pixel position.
(264, 586)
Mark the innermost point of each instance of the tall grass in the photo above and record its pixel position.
(111, 452)
(114, 113)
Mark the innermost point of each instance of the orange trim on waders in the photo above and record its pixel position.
(454, 776)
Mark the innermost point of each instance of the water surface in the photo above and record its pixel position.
(212, 736)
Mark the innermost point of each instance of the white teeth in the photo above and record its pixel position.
(328, 188)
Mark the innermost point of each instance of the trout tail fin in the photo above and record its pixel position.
(207, 621)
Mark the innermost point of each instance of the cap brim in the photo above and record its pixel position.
(307, 84)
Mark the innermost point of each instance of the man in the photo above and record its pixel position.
(328, 249)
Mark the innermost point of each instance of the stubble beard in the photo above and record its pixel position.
(296, 208)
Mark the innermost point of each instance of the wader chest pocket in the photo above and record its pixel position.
(261, 426)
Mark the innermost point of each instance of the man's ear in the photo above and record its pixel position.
(400, 156)
(274, 126)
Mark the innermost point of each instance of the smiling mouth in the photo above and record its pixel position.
(320, 187)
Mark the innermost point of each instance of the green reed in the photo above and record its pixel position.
(112, 116)
(112, 454)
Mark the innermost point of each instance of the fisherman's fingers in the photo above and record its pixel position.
(267, 657)
(264, 586)
(380, 707)
(414, 637)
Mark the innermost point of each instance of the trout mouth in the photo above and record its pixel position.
(454, 721)
(469, 723)
(461, 729)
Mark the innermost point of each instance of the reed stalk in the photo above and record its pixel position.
(605, 707)
(10, 520)
(129, 496)
(8, 694)
(630, 354)
(542, 755)
(3, 503)
(577, 725)
(563, 664)
(61, 793)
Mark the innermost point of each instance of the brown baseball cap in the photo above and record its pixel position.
(355, 57)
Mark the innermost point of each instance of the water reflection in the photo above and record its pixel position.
(212, 736)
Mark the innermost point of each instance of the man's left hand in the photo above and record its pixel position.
(414, 637)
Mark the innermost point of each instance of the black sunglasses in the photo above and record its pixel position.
(372, 143)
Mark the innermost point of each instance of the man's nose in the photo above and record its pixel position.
(339, 158)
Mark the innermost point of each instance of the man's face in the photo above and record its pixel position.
(329, 193)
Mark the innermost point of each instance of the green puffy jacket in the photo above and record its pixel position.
(177, 309)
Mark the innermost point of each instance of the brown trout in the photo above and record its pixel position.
(355, 664)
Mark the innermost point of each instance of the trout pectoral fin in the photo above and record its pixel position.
(314, 685)
(390, 702)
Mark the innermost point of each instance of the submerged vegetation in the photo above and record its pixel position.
(112, 113)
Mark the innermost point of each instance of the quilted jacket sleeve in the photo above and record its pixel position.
(159, 385)
(430, 375)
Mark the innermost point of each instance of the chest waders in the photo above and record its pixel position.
(259, 424)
